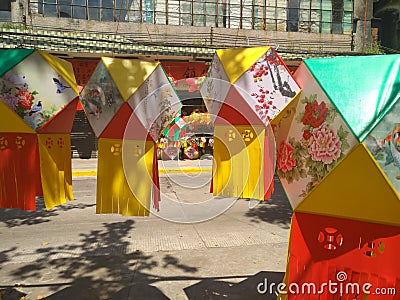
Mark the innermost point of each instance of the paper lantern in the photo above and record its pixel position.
(39, 99)
(128, 104)
(244, 90)
(337, 163)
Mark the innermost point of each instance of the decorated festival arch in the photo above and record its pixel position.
(245, 91)
(38, 99)
(338, 161)
(128, 104)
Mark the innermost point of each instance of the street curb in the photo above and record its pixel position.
(88, 173)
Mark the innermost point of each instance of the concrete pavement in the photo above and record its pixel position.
(87, 167)
(72, 253)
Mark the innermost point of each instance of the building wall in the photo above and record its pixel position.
(206, 36)
(318, 16)
(294, 25)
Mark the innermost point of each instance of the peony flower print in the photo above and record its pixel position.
(325, 146)
(315, 114)
(25, 99)
(307, 134)
(319, 146)
(14, 91)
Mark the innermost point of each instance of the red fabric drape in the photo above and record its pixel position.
(324, 249)
(19, 170)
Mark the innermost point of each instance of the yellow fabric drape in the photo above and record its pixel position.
(128, 74)
(55, 168)
(239, 161)
(354, 198)
(11, 122)
(124, 178)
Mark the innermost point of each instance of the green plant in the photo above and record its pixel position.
(374, 49)
(11, 26)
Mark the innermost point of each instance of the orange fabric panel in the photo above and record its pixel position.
(18, 170)
(324, 248)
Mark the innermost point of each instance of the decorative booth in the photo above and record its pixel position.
(38, 96)
(338, 161)
(128, 104)
(244, 91)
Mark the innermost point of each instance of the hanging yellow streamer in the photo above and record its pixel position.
(55, 168)
(239, 158)
(124, 177)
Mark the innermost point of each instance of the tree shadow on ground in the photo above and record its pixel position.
(13, 217)
(5, 255)
(212, 289)
(101, 265)
(276, 210)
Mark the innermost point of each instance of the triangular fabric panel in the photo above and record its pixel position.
(11, 57)
(363, 89)
(134, 130)
(124, 119)
(11, 122)
(100, 99)
(62, 122)
(156, 102)
(284, 112)
(128, 74)
(236, 111)
(116, 127)
(365, 195)
(383, 143)
(312, 139)
(215, 87)
(267, 86)
(63, 68)
(238, 60)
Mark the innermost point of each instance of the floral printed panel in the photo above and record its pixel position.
(269, 86)
(311, 139)
(101, 99)
(155, 102)
(215, 87)
(384, 144)
(35, 91)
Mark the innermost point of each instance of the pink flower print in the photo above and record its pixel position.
(325, 146)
